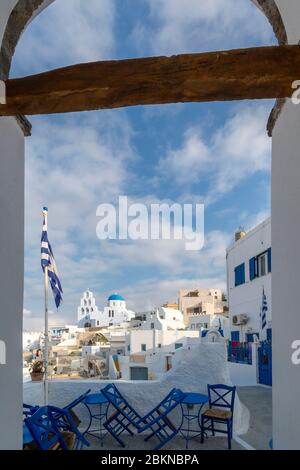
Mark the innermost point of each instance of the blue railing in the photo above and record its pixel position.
(240, 353)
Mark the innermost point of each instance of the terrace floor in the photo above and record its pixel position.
(257, 399)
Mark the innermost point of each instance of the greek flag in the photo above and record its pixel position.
(264, 309)
(47, 259)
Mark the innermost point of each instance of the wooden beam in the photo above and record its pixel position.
(256, 73)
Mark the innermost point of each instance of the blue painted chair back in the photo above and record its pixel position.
(173, 399)
(46, 425)
(28, 410)
(76, 402)
(221, 396)
(113, 395)
(44, 429)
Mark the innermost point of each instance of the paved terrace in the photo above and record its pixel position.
(205, 364)
(257, 399)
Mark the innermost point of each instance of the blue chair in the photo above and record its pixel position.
(70, 409)
(127, 419)
(45, 430)
(220, 411)
(28, 410)
(124, 419)
(158, 421)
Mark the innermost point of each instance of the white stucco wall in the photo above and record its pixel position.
(247, 298)
(6, 9)
(286, 258)
(285, 277)
(11, 280)
(197, 367)
(245, 374)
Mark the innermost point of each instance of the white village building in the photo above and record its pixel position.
(114, 313)
(153, 347)
(249, 267)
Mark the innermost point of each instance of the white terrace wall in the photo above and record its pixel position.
(206, 363)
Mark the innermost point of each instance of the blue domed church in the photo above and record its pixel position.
(114, 313)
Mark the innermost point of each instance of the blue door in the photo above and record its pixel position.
(265, 363)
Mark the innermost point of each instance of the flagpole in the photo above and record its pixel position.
(46, 337)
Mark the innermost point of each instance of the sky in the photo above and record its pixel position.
(217, 154)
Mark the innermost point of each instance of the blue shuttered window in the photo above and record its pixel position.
(239, 275)
(235, 336)
(252, 268)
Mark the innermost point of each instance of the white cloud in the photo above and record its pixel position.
(180, 26)
(240, 149)
(71, 166)
(68, 32)
(190, 162)
(26, 312)
(151, 293)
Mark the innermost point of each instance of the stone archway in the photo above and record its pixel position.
(26, 10)
(285, 229)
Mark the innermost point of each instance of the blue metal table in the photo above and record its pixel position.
(98, 401)
(190, 414)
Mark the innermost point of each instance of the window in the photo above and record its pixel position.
(239, 275)
(98, 322)
(260, 265)
(128, 348)
(112, 313)
(250, 337)
(143, 347)
(235, 336)
(159, 345)
(152, 326)
(178, 345)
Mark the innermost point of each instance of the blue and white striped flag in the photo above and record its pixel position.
(264, 309)
(47, 259)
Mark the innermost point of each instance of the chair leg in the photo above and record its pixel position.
(202, 429)
(149, 436)
(229, 433)
(122, 444)
(212, 427)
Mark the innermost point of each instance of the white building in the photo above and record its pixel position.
(200, 302)
(87, 312)
(249, 266)
(114, 313)
(151, 347)
(149, 354)
(207, 322)
(31, 340)
(163, 318)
